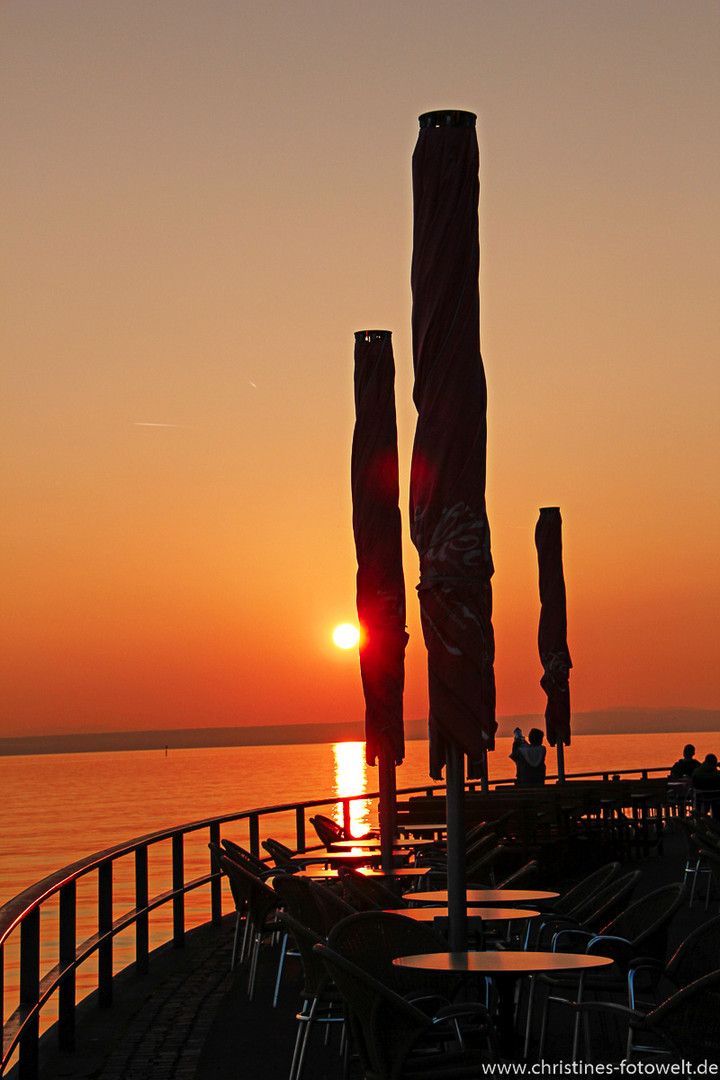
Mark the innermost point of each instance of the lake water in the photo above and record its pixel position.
(58, 808)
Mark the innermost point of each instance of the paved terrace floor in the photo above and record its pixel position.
(190, 1018)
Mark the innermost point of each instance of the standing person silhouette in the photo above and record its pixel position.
(529, 758)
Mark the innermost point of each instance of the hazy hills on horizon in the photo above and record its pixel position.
(597, 722)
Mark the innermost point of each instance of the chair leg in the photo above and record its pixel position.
(236, 940)
(299, 1039)
(303, 1046)
(281, 962)
(254, 958)
(528, 1018)
(245, 940)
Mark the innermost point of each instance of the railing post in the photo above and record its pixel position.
(178, 874)
(142, 922)
(347, 821)
(66, 955)
(216, 883)
(105, 918)
(29, 993)
(300, 827)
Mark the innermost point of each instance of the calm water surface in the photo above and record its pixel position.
(58, 808)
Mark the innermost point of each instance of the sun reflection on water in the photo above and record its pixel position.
(351, 779)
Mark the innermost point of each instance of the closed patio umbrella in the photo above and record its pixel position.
(380, 581)
(552, 631)
(448, 519)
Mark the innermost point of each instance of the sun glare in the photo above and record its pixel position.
(351, 779)
(346, 636)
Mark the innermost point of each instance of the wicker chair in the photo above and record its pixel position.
(262, 905)
(239, 895)
(697, 955)
(710, 859)
(574, 898)
(394, 1039)
(321, 1002)
(368, 893)
(596, 911)
(373, 939)
(332, 907)
(695, 868)
(684, 1028)
(283, 856)
(328, 830)
(640, 931)
(247, 859)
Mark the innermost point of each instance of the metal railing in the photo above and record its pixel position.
(22, 916)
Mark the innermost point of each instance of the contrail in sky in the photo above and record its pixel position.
(151, 423)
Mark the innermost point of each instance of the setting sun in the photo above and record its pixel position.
(346, 636)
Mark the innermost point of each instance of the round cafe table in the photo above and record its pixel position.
(484, 896)
(370, 845)
(505, 968)
(338, 858)
(487, 914)
(367, 871)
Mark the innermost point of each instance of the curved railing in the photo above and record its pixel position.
(22, 915)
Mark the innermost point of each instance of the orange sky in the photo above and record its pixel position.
(201, 204)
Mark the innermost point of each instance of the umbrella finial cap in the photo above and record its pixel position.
(447, 118)
(372, 335)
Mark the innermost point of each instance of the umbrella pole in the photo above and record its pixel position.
(560, 761)
(387, 809)
(455, 795)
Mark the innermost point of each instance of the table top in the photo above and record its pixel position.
(483, 896)
(508, 962)
(337, 857)
(487, 914)
(368, 845)
(367, 871)
(424, 826)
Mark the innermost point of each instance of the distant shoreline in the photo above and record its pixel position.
(598, 722)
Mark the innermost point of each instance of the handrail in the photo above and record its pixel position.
(21, 1030)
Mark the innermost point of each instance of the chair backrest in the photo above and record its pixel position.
(332, 907)
(524, 873)
(582, 890)
(328, 830)
(645, 922)
(368, 893)
(688, 1021)
(237, 888)
(315, 972)
(299, 898)
(373, 939)
(481, 845)
(382, 1023)
(387, 1029)
(481, 870)
(280, 853)
(246, 858)
(607, 902)
(697, 955)
(261, 899)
